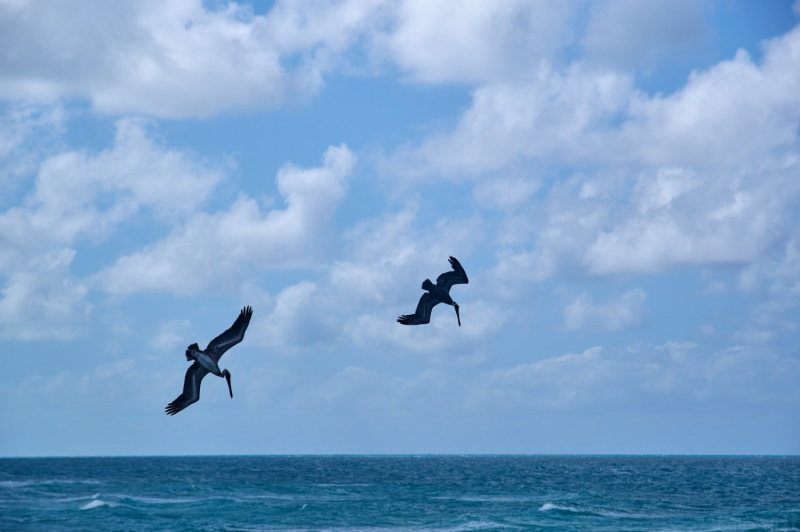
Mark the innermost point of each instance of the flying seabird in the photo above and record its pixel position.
(438, 293)
(206, 362)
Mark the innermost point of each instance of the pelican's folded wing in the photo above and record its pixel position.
(217, 347)
(423, 313)
(191, 389)
(457, 276)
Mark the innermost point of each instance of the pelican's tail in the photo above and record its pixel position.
(189, 354)
(427, 285)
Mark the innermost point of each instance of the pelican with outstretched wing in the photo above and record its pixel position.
(437, 293)
(207, 361)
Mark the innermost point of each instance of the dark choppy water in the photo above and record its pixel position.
(447, 493)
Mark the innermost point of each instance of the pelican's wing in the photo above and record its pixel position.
(423, 313)
(217, 347)
(191, 389)
(457, 276)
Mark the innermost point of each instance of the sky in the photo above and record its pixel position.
(620, 180)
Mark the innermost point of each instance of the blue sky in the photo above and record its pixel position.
(621, 181)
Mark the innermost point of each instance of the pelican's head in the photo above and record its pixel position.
(457, 314)
(227, 375)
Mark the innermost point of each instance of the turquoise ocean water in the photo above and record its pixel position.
(446, 493)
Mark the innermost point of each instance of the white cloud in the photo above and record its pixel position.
(679, 371)
(41, 300)
(175, 59)
(669, 184)
(184, 58)
(475, 41)
(730, 115)
(170, 59)
(546, 113)
(620, 314)
(133, 174)
(702, 176)
(22, 128)
(293, 321)
(585, 114)
(633, 33)
(210, 249)
(79, 196)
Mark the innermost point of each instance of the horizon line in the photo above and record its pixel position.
(412, 455)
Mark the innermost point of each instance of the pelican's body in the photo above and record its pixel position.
(441, 295)
(437, 293)
(207, 361)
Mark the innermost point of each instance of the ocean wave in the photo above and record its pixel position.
(96, 503)
(548, 506)
(488, 498)
(475, 525)
(160, 500)
(25, 483)
(600, 512)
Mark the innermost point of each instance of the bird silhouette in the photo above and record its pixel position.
(437, 293)
(207, 361)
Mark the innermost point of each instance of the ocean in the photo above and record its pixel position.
(385, 493)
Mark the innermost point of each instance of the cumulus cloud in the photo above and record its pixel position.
(596, 116)
(77, 196)
(294, 320)
(630, 183)
(41, 300)
(475, 41)
(187, 58)
(210, 248)
(134, 174)
(620, 314)
(697, 126)
(548, 112)
(170, 59)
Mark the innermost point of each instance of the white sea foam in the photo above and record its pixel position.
(96, 503)
(597, 511)
(546, 507)
(158, 500)
(475, 525)
(15, 483)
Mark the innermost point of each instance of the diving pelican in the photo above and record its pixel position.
(206, 362)
(438, 293)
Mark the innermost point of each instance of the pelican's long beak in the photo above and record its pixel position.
(457, 314)
(228, 378)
